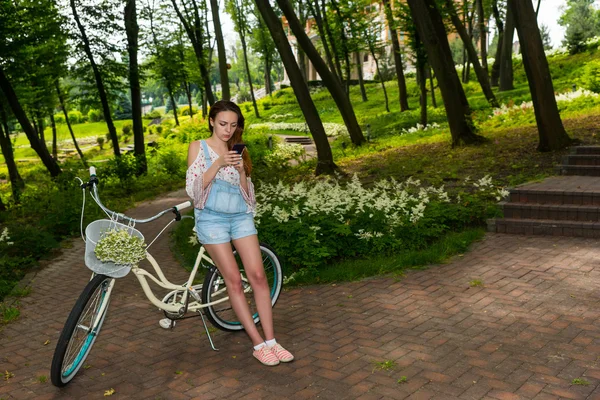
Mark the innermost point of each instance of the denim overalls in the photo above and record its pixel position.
(225, 215)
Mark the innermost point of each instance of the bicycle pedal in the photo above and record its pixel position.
(167, 323)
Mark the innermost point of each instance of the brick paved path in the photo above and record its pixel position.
(527, 333)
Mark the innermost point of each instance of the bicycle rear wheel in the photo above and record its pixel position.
(80, 330)
(221, 315)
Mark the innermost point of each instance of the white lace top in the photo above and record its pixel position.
(194, 183)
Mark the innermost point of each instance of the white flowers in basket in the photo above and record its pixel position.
(119, 247)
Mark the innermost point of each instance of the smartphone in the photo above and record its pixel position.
(239, 147)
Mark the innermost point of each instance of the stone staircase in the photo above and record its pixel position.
(567, 205)
(303, 140)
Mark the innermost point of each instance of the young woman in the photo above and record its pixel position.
(218, 181)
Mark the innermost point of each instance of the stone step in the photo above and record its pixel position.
(545, 227)
(580, 170)
(304, 140)
(581, 159)
(585, 150)
(560, 212)
(555, 196)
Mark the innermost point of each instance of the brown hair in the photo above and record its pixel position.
(225, 105)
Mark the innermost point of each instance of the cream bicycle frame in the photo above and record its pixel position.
(186, 288)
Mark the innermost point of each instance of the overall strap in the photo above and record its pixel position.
(206, 154)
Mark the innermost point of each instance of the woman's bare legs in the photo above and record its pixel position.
(249, 250)
(222, 255)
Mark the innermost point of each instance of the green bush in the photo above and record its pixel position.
(75, 117)
(59, 118)
(591, 76)
(127, 129)
(152, 115)
(123, 168)
(94, 115)
(159, 129)
(186, 110)
(172, 162)
(266, 105)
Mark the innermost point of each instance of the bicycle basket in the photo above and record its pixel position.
(93, 233)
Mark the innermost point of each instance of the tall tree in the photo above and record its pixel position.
(372, 37)
(316, 11)
(402, 93)
(506, 67)
(193, 24)
(325, 162)
(482, 75)
(582, 22)
(32, 52)
(225, 93)
(262, 43)
(550, 128)
(85, 43)
(132, 30)
(482, 36)
(16, 182)
(239, 11)
(341, 18)
(333, 85)
(62, 102)
(430, 27)
(495, 75)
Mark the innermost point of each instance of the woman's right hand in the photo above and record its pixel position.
(229, 158)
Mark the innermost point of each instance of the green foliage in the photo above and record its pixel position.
(152, 115)
(75, 117)
(59, 118)
(172, 162)
(94, 115)
(127, 129)
(186, 110)
(122, 168)
(590, 79)
(582, 22)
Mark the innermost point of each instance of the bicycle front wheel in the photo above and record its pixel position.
(221, 315)
(80, 330)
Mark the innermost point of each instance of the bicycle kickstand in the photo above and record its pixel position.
(207, 331)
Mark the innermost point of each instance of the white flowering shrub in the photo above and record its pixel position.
(420, 127)
(284, 152)
(310, 224)
(119, 247)
(4, 237)
(331, 129)
(506, 112)
(281, 116)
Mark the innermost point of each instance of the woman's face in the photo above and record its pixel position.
(224, 125)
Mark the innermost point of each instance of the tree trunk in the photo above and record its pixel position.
(66, 114)
(268, 83)
(500, 25)
(2, 206)
(482, 37)
(99, 83)
(301, 56)
(196, 38)
(188, 94)
(402, 94)
(422, 82)
(345, 49)
(316, 12)
(335, 89)
(225, 92)
(16, 182)
(482, 76)
(372, 50)
(359, 73)
(537, 9)
(338, 64)
(432, 86)
(245, 50)
(132, 30)
(506, 67)
(325, 162)
(173, 104)
(430, 27)
(54, 145)
(551, 131)
(34, 140)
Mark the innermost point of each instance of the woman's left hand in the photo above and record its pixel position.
(239, 164)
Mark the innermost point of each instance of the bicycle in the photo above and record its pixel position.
(207, 299)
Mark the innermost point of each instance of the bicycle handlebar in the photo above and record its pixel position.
(93, 183)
